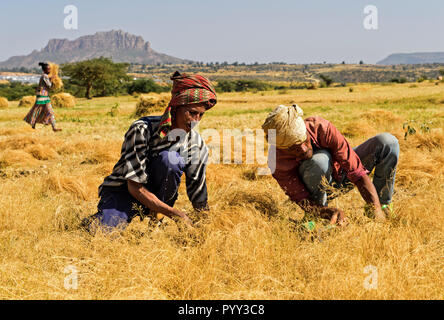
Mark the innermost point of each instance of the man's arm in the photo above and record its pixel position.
(350, 163)
(369, 194)
(149, 200)
(297, 192)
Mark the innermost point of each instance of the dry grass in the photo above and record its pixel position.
(248, 247)
(63, 100)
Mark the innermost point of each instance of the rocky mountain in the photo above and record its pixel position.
(413, 58)
(118, 45)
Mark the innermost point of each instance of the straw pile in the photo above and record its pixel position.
(63, 100)
(148, 104)
(3, 103)
(57, 83)
(27, 101)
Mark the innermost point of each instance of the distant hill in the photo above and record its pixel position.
(118, 45)
(413, 58)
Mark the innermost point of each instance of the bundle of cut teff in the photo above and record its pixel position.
(3, 103)
(57, 83)
(63, 100)
(27, 101)
(148, 104)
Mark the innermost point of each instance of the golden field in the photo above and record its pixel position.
(248, 247)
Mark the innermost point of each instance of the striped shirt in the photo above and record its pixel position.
(142, 142)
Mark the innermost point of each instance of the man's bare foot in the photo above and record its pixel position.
(33, 127)
(56, 129)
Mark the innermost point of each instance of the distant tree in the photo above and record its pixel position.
(102, 74)
(441, 72)
(343, 62)
(361, 62)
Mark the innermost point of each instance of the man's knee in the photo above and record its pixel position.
(390, 142)
(316, 167)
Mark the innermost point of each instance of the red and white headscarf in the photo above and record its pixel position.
(187, 89)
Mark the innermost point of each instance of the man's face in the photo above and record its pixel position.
(303, 151)
(186, 115)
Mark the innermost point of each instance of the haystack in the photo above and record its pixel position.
(63, 100)
(148, 104)
(57, 83)
(27, 101)
(3, 103)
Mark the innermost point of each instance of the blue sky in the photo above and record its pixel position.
(294, 31)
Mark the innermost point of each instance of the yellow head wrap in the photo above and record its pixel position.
(289, 125)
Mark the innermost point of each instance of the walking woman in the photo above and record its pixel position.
(42, 111)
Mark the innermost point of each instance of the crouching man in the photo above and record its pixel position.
(155, 153)
(308, 150)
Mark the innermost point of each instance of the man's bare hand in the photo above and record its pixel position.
(183, 216)
(379, 215)
(336, 216)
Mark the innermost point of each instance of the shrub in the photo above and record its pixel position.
(326, 79)
(422, 78)
(63, 100)
(114, 110)
(226, 86)
(242, 85)
(3, 103)
(312, 86)
(399, 80)
(145, 86)
(27, 101)
(15, 90)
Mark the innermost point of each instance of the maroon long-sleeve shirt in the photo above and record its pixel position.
(324, 135)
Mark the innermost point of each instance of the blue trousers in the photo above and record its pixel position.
(380, 153)
(117, 207)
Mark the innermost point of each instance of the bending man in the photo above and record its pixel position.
(156, 151)
(308, 150)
